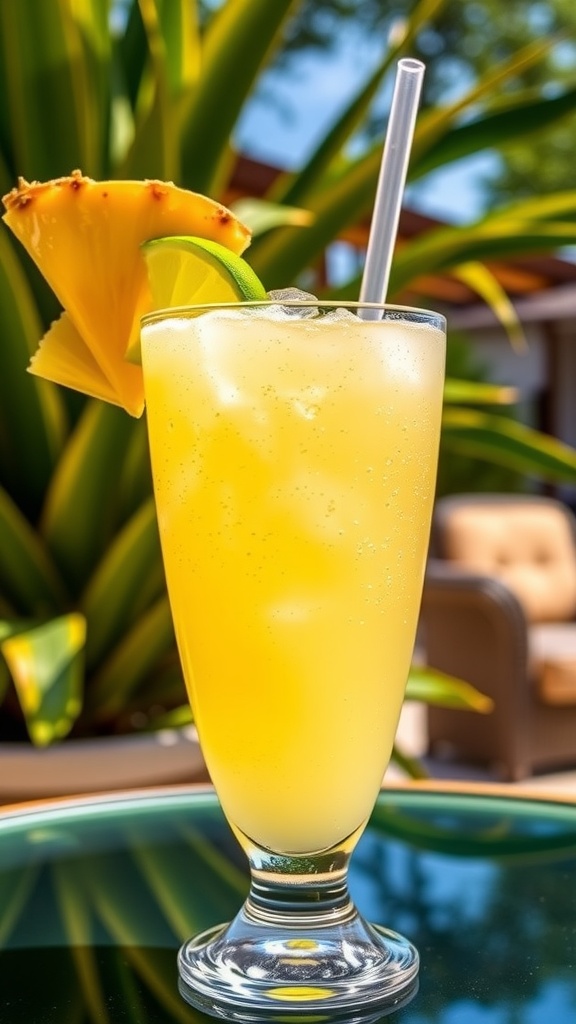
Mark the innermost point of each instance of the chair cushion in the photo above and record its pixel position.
(552, 657)
(528, 547)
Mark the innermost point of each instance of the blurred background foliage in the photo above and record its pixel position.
(156, 88)
(463, 42)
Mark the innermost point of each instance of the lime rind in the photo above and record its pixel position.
(184, 270)
(227, 264)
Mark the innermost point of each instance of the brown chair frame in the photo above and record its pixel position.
(475, 628)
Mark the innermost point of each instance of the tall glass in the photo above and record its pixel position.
(294, 454)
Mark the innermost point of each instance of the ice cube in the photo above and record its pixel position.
(340, 314)
(291, 295)
(281, 295)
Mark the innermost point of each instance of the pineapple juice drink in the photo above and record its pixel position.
(294, 468)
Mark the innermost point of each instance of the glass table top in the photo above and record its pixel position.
(96, 896)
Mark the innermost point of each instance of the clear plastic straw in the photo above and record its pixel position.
(391, 181)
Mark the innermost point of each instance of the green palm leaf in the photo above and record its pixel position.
(132, 661)
(46, 663)
(480, 279)
(261, 215)
(135, 485)
(30, 410)
(82, 500)
(154, 149)
(296, 188)
(239, 39)
(48, 70)
(505, 233)
(28, 576)
(8, 628)
(160, 57)
(282, 256)
(433, 687)
(467, 392)
(174, 719)
(435, 122)
(4, 678)
(118, 580)
(507, 443)
(525, 115)
(557, 208)
(179, 25)
(94, 81)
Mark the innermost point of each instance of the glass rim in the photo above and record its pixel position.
(197, 309)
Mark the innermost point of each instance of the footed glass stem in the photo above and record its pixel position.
(298, 946)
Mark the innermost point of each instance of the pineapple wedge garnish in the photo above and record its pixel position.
(85, 238)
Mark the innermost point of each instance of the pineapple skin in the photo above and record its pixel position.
(85, 237)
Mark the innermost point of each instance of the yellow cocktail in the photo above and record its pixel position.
(294, 454)
(294, 466)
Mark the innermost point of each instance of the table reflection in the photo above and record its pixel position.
(95, 899)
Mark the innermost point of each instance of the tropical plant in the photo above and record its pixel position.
(463, 42)
(85, 630)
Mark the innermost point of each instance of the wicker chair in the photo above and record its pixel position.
(499, 611)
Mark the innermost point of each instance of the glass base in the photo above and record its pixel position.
(344, 970)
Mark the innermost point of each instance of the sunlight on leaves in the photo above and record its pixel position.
(47, 665)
